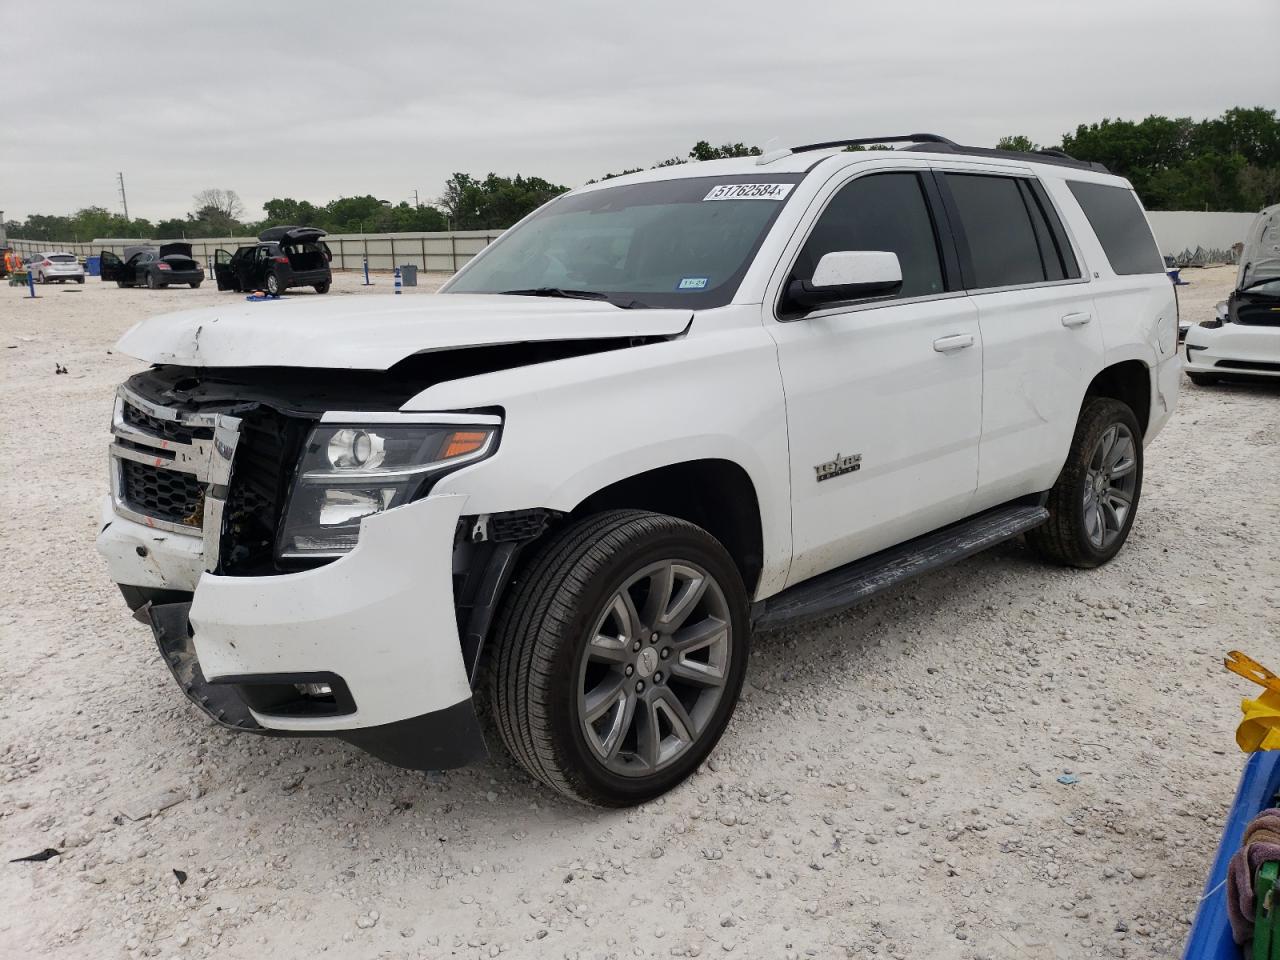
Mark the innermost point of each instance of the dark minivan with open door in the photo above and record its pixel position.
(145, 265)
(284, 257)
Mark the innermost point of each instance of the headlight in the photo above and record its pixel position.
(349, 472)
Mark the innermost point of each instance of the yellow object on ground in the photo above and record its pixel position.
(1260, 728)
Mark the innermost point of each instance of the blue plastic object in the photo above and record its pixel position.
(1210, 937)
(93, 266)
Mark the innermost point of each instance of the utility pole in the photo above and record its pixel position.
(415, 198)
(123, 199)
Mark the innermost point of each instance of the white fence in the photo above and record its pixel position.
(1176, 231)
(1179, 230)
(436, 252)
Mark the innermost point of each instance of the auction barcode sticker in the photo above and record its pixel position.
(749, 191)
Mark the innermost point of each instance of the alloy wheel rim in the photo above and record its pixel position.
(655, 668)
(1111, 478)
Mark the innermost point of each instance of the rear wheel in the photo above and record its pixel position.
(273, 285)
(152, 283)
(1203, 379)
(195, 284)
(1094, 501)
(123, 283)
(322, 287)
(79, 279)
(619, 656)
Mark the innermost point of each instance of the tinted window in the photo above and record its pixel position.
(1122, 230)
(883, 211)
(1002, 239)
(1038, 203)
(61, 258)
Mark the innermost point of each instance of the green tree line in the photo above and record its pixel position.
(1231, 162)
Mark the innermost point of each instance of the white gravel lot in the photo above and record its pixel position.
(888, 787)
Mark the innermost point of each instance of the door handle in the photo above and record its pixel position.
(1076, 319)
(954, 342)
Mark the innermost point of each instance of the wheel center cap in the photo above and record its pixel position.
(646, 662)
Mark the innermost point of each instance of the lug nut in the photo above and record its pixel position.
(630, 670)
(639, 686)
(657, 677)
(654, 638)
(636, 646)
(665, 653)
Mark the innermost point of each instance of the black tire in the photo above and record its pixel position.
(152, 283)
(123, 283)
(195, 284)
(79, 279)
(1202, 379)
(1064, 539)
(541, 638)
(322, 287)
(273, 285)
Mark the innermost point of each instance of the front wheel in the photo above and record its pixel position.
(1094, 501)
(1203, 379)
(619, 656)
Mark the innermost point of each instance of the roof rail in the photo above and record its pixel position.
(934, 143)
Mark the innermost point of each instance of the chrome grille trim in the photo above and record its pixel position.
(209, 461)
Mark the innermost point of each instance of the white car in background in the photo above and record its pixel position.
(56, 265)
(1243, 338)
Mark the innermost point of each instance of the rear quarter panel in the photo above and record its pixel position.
(1137, 313)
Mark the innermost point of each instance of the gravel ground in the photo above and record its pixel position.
(889, 787)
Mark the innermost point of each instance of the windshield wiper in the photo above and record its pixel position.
(557, 292)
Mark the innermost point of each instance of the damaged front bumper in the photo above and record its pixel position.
(365, 648)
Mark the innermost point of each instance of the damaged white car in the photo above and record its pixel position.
(660, 412)
(1243, 338)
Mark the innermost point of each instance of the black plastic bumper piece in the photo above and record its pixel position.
(439, 740)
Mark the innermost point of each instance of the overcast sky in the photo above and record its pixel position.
(286, 99)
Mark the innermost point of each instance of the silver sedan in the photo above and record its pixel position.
(56, 265)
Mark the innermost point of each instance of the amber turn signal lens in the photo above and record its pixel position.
(461, 442)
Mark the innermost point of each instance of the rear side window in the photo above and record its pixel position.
(882, 211)
(1003, 247)
(1116, 218)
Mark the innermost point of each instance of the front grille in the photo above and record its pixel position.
(167, 494)
(265, 456)
(164, 429)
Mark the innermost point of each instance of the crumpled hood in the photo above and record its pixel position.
(1260, 259)
(376, 332)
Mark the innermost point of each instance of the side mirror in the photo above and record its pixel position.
(848, 275)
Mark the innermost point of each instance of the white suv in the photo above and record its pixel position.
(658, 413)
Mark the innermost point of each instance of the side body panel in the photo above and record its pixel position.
(1036, 371)
(575, 426)
(870, 383)
(1137, 314)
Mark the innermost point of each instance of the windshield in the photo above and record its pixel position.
(673, 243)
(1267, 288)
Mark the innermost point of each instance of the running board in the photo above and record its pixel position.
(846, 586)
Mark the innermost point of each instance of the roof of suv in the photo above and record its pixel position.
(802, 159)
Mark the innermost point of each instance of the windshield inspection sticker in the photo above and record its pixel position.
(749, 191)
(692, 283)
